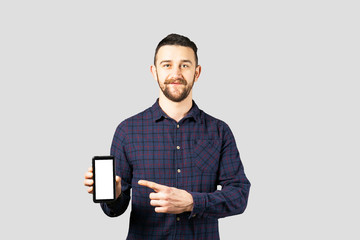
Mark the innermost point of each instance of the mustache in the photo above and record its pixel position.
(175, 80)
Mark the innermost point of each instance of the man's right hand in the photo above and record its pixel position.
(89, 182)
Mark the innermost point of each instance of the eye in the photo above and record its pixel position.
(184, 66)
(166, 65)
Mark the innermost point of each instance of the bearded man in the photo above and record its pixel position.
(174, 156)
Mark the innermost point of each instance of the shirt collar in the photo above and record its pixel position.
(159, 114)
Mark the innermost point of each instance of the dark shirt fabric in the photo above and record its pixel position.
(196, 154)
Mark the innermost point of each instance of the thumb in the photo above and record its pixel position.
(117, 179)
(118, 186)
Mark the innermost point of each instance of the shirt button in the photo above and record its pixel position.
(178, 126)
(178, 219)
(178, 147)
(179, 170)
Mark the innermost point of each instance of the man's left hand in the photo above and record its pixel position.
(168, 199)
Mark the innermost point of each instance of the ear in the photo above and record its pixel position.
(197, 72)
(153, 72)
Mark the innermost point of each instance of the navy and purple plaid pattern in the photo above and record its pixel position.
(196, 154)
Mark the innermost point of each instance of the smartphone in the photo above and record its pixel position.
(104, 179)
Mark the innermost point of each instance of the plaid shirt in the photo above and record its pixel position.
(196, 154)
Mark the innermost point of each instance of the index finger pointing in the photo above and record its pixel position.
(155, 186)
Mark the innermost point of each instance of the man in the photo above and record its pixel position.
(173, 156)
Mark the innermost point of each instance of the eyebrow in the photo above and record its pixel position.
(182, 61)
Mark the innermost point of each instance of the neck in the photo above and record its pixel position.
(175, 110)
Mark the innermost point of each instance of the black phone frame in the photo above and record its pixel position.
(94, 172)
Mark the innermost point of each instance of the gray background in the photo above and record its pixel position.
(283, 74)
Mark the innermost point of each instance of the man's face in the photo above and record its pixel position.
(175, 71)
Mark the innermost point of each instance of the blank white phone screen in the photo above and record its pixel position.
(104, 188)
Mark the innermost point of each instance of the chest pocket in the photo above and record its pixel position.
(206, 155)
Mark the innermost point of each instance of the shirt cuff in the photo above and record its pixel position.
(199, 204)
(116, 207)
(116, 202)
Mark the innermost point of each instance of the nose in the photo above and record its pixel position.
(176, 72)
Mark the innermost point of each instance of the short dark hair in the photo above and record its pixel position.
(179, 40)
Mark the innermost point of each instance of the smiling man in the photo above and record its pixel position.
(176, 72)
(173, 156)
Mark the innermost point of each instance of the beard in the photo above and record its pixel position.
(180, 92)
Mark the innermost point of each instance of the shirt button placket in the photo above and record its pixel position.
(177, 126)
(178, 155)
(178, 170)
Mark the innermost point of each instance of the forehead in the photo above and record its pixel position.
(175, 53)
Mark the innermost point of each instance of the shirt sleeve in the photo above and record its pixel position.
(232, 198)
(122, 169)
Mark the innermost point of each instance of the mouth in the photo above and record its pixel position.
(177, 82)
